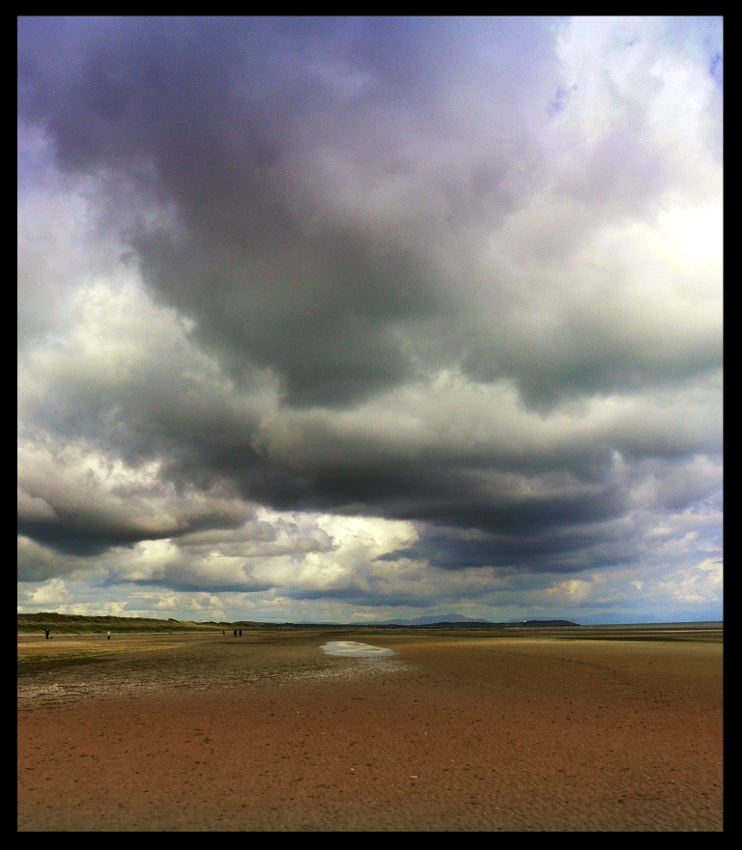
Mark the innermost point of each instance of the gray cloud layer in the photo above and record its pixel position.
(426, 270)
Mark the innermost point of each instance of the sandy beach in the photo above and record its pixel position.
(525, 732)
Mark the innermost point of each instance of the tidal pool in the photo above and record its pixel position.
(355, 649)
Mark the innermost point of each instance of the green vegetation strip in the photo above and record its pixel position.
(74, 624)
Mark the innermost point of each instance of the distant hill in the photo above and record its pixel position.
(461, 620)
(430, 620)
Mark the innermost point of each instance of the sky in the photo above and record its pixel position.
(346, 319)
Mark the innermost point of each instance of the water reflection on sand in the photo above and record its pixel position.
(354, 649)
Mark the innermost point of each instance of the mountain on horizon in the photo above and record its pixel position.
(430, 620)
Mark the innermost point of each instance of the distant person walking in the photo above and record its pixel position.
(240, 632)
(235, 632)
(108, 634)
(46, 631)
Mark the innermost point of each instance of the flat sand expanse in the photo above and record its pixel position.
(455, 732)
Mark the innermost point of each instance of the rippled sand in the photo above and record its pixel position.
(454, 732)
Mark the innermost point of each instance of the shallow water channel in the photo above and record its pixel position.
(355, 650)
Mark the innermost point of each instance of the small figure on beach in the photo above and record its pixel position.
(108, 634)
(222, 632)
(240, 632)
(235, 632)
(46, 631)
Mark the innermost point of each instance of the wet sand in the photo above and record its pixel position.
(455, 732)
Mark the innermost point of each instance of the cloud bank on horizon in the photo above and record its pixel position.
(339, 318)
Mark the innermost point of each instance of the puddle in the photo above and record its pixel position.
(354, 649)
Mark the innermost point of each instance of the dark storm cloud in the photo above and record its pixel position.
(74, 541)
(566, 550)
(397, 268)
(320, 169)
(275, 140)
(77, 534)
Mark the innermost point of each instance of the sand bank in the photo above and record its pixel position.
(454, 732)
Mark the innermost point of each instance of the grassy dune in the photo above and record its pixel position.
(74, 624)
